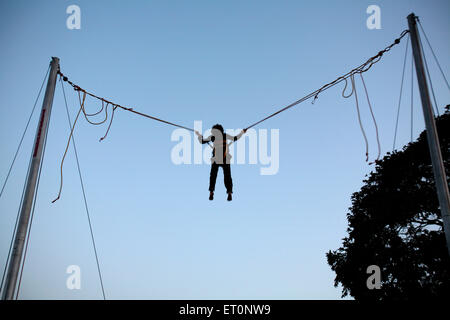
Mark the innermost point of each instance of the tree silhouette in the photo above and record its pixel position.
(395, 223)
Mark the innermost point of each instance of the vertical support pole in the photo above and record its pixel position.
(432, 136)
(24, 218)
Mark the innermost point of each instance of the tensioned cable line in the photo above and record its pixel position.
(400, 96)
(84, 193)
(428, 75)
(24, 184)
(432, 51)
(115, 105)
(360, 69)
(24, 132)
(431, 82)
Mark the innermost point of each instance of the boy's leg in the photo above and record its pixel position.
(227, 178)
(213, 176)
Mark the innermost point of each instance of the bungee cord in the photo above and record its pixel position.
(109, 117)
(315, 94)
(400, 95)
(360, 69)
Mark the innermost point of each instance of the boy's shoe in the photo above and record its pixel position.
(211, 195)
(229, 197)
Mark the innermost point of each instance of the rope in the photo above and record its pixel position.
(65, 152)
(77, 88)
(343, 91)
(352, 78)
(431, 83)
(432, 51)
(110, 123)
(355, 93)
(362, 68)
(400, 96)
(429, 77)
(84, 193)
(87, 115)
(373, 118)
(23, 134)
(114, 106)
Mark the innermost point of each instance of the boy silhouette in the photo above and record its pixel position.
(220, 157)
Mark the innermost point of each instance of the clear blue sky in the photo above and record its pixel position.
(233, 62)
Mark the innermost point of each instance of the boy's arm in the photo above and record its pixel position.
(200, 138)
(236, 138)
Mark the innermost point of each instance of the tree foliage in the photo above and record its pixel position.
(395, 223)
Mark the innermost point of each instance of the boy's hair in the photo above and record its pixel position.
(218, 127)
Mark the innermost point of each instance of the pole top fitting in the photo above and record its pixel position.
(412, 17)
(55, 60)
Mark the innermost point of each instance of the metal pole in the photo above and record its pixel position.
(432, 136)
(22, 227)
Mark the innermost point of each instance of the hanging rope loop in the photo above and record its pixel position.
(345, 87)
(352, 78)
(373, 118)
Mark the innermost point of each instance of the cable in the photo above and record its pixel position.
(355, 93)
(87, 115)
(373, 118)
(400, 96)
(360, 69)
(432, 51)
(345, 87)
(431, 85)
(77, 88)
(84, 193)
(352, 78)
(110, 122)
(429, 77)
(65, 153)
(23, 134)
